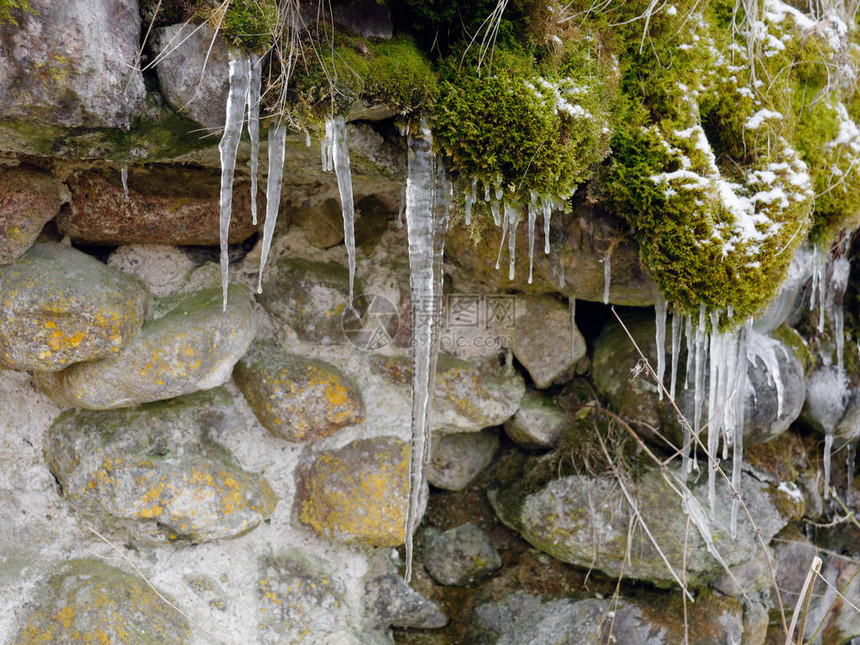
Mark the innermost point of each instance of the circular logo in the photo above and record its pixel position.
(371, 322)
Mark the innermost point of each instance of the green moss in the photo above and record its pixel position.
(792, 339)
(520, 128)
(249, 24)
(9, 9)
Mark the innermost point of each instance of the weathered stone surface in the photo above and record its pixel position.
(154, 473)
(357, 493)
(298, 601)
(297, 398)
(524, 618)
(322, 224)
(28, 199)
(164, 206)
(308, 297)
(390, 602)
(59, 306)
(366, 18)
(208, 589)
(192, 345)
(538, 423)
(579, 243)
(541, 337)
(775, 387)
(469, 395)
(584, 521)
(193, 72)
(164, 269)
(458, 458)
(88, 601)
(72, 64)
(460, 555)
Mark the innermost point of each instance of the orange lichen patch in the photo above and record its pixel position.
(357, 493)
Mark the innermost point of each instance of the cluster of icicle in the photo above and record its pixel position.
(723, 355)
(428, 201)
(244, 98)
(508, 213)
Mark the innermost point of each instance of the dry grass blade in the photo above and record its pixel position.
(801, 609)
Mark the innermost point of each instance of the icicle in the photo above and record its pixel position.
(512, 214)
(547, 214)
(571, 306)
(660, 307)
(504, 222)
(426, 223)
(468, 209)
(495, 210)
(607, 275)
(713, 413)
(254, 128)
(327, 146)
(840, 270)
(699, 377)
(307, 139)
(339, 158)
(677, 321)
(532, 218)
(229, 145)
(821, 279)
(828, 453)
(487, 195)
(500, 192)
(689, 335)
(277, 141)
(740, 380)
(123, 176)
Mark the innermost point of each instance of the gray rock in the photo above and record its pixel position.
(309, 298)
(366, 18)
(163, 269)
(208, 589)
(72, 64)
(298, 600)
(584, 521)
(390, 602)
(357, 493)
(469, 395)
(322, 223)
(89, 599)
(59, 306)
(297, 398)
(154, 474)
(460, 555)
(523, 619)
(457, 459)
(191, 345)
(28, 199)
(538, 424)
(192, 72)
(543, 340)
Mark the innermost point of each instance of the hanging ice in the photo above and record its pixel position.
(547, 214)
(607, 275)
(660, 307)
(512, 215)
(123, 176)
(677, 321)
(504, 222)
(277, 140)
(840, 269)
(427, 205)
(236, 100)
(532, 219)
(740, 379)
(254, 127)
(336, 155)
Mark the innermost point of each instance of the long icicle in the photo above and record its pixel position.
(340, 160)
(254, 128)
(740, 379)
(236, 100)
(607, 276)
(532, 219)
(277, 140)
(426, 223)
(512, 214)
(660, 308)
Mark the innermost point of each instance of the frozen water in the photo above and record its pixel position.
(254, 127)
(660, 307)
(277, 140)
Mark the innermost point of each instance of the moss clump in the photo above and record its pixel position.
(247, 24)
(521, 128)
(9, 9)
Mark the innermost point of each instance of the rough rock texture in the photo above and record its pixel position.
(773, 401)
(297, 398)
(584, 521)
(297, 600)
(192, 345)
(357, 493)
(192, 72)
(164, 269)
(72, 64)
(460, 555)
(164, 206)
(366, 18)
(322, 225)
(523, 618)
(392, 602)
(59, 306)
(538, 424)
(154, 473)
(28, 199)
(457, 459)
(469, 395)
(87, 601)
(579, 243)
(541, 337)
(308, 297)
